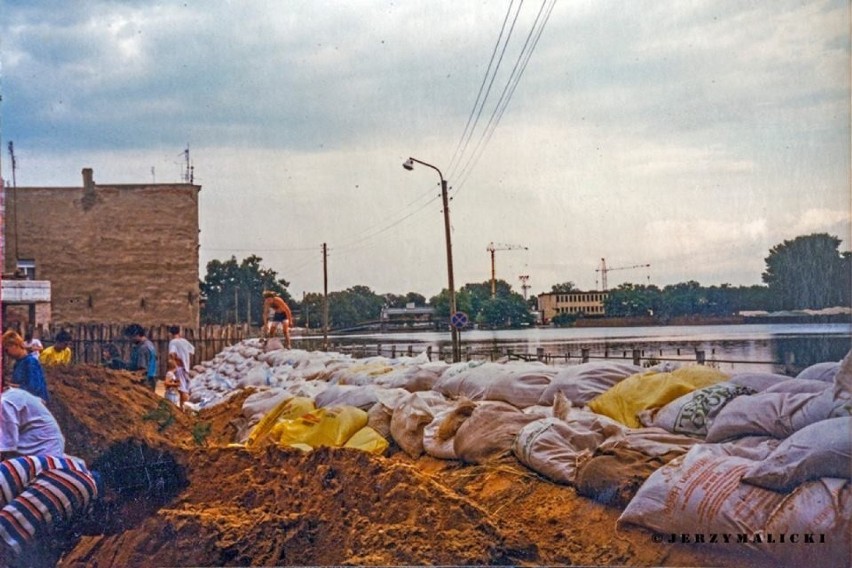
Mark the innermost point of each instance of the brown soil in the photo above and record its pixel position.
(327, 507)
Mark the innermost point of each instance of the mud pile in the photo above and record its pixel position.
(331, 506)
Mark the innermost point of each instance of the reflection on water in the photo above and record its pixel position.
(765, 348)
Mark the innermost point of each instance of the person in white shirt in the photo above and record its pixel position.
(183, 348)
(27, 428)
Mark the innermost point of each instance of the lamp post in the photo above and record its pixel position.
(409, 165)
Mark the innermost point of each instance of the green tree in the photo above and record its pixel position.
(564, 288)
(354, 306)
(233, 291)
(808, 272)
(505, 311)
(633, 300)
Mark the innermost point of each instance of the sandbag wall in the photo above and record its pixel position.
(650, 441)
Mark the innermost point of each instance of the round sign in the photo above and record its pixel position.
(458, 320)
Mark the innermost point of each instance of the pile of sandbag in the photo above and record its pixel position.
(775, 477)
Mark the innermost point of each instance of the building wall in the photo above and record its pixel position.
(113, 253)
(587, 303)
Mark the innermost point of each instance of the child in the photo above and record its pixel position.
(182, 376)
(172, 383)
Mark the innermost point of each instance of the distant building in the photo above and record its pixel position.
(112, 253)
(589, 304)
(409, 316)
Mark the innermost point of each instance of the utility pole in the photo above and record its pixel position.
(324, 297)
(14, 163)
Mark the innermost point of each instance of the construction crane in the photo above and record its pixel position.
(604, 270)
(492, 248)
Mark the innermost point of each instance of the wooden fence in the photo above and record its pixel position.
(88, 340)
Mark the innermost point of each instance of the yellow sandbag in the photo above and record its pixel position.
(287, 409)
(643, 391)
(371, 369)
(368, 440)
(331, 426)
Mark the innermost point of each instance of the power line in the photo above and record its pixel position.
(457, 155)
(508, 90)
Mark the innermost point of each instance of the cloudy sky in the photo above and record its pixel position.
(689, 135)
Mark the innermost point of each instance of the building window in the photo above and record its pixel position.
(26, 268)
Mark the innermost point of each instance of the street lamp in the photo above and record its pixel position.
(409, 165)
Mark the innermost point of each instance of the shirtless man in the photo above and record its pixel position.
(280, 313)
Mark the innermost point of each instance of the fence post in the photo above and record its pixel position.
(637, 357)
(393, 351)
(584, 355)
(699, 356)
(410, 350)
(429, 352)
(539, 353)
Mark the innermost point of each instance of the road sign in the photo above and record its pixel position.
(459, 320)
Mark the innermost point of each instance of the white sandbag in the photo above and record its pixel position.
(796, 386)
(439, 435)
(258, 376)
(379, 415)
(775, 414)
(693, 412)
(752, 448)
(470, 381)
(701, 493)
(489, 432)
(263, 401)
(824, 372)
(409, 418)
(362, 397)
(820, 509)
(757, 381)
(413, 380)
(823, 449)
(522, 387)
(581, 383)
(556, 448)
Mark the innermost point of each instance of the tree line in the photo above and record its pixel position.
(807, 272)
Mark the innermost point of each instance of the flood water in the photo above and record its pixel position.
(746, 347)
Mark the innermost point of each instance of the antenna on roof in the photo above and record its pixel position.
(189, 171)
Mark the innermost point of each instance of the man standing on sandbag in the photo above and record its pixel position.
(277, 308)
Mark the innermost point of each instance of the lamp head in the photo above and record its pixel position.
(408, 164)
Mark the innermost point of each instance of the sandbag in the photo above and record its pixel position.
(757, 381)
(331, 426)
(823, 449)
(489, 432)
(367, 440)
(644, 391)
(776, 414)
(359, 396)
(411, 415)
(693, 412)
(701, 493)
(555, 448)
(471, 382)
(824, 372)
(522, 387)
(797, 386)
(581, 383)
(439, 435)
(286, 410)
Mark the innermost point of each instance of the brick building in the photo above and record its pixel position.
(112, 253)
(589, 304)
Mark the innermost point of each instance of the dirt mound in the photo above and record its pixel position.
(328, 507)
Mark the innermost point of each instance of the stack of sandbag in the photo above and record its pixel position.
(650, 390)
(694, 412)
(581, 383)
(787, 406)
(520, 384)
(712, 492)
(599, 456)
